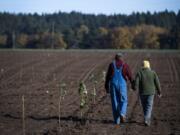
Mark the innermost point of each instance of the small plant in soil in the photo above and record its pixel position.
(83, 96)
(94, 81)
(62, 93)
(63, 90)
(94, 91)
(2, 70)
(103, 75)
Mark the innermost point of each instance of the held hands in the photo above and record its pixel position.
(133, 85)
(159, 95)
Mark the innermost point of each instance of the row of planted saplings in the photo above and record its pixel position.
(83, 94)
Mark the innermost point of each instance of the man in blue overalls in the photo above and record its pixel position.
(116, 84)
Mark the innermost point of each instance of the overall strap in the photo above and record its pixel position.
(115, 68)
(122, 66)
(114, 64)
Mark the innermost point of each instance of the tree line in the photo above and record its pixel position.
(158, 30)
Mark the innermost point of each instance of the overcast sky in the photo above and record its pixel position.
(88, 6)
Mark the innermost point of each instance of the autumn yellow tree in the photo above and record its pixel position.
(121, 38)
(47, 40)
(81, 31)
(59, 41)
(3, 40)
(22, 40)
(147, 36)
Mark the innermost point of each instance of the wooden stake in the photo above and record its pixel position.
(60, 113)
(81, 114)
(23, 116)
(94, 96)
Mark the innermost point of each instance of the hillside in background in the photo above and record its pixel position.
(86, 31)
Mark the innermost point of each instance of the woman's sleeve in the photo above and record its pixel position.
(157, 83)
(137, 80)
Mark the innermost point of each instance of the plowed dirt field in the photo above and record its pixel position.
(38, 74)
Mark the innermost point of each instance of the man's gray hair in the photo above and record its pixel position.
(118, 55)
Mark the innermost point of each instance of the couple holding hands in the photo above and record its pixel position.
(146, 82)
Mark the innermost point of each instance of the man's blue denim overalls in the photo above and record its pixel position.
(118, 91)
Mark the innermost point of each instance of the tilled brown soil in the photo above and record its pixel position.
(37, 75)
